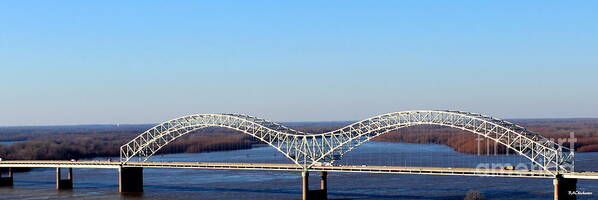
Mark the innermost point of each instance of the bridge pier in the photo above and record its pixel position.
(305, 185)
(307, 194)
(563, 187)
(130, 179)
(6, 181)
(63, 184)
(323, 192)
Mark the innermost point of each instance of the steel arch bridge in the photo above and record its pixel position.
(306, 149)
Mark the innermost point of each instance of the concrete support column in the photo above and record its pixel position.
(323, 185)
(317, 194)
(130, 179)
(305, 185)
(62, 184)
(324, 180)
(563, 187)
(6, 181)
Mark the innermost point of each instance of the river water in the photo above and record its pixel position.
(238, 184)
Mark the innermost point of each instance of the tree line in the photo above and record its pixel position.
(76, 142)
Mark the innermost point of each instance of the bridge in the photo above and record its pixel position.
(318, 152)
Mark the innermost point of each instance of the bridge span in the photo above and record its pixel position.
(291, 167)
(131, 173)
(307, 151)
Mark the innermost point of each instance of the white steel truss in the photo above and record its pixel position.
(306, 149)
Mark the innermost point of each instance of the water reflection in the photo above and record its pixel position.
(235, 184)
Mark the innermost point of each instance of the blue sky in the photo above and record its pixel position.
(81, 62)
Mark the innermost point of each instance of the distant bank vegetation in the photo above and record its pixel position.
(62, 143)
(585, 131)
(68, 142)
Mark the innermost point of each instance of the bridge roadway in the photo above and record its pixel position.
(294, 167)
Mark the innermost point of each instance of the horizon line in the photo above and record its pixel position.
(282, 122)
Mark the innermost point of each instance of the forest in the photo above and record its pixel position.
(76, 142)
(585, 131)
(88, 141)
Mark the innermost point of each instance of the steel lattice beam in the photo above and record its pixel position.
(306, 149)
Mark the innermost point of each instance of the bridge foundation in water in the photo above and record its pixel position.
(324, 181)
(321, 194)
(63, 184)
(564, 188)
(130, 179)
(6, 181)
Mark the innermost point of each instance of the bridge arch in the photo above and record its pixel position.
(307, 149)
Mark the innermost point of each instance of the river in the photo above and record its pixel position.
(237, 184)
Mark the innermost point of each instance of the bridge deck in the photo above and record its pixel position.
(293, 167)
